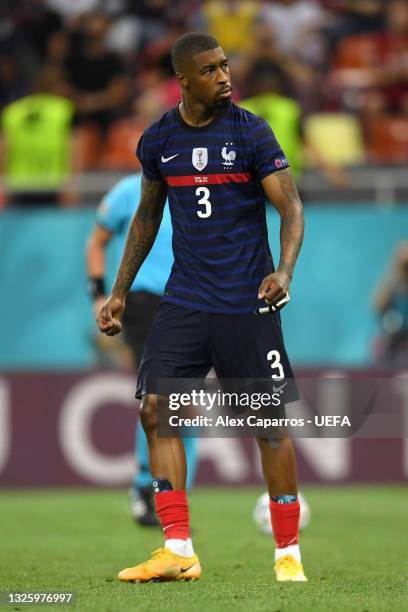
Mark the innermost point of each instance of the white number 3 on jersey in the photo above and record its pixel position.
(274, 357)
(205, 193)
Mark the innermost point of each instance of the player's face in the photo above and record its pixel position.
(208, 78)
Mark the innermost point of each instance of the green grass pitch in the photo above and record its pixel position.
(355, 552)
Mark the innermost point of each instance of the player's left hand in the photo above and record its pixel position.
(274, 287)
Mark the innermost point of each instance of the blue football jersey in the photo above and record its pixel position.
(217, 205)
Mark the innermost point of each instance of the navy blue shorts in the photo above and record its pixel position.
(186, 344)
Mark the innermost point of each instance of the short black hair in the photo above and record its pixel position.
(189, 44)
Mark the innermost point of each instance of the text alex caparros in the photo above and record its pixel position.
(254, 421)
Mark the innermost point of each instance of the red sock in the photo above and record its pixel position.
(285, 523)
(172, 510)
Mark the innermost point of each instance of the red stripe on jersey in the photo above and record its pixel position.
(207, 179)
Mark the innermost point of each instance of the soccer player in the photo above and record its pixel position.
(217, 163)
(112, 221)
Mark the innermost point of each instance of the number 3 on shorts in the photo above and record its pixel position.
(205, 193)
(274, 357)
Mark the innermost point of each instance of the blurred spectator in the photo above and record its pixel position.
(125, 35)
(157, 54)
(157, 16)
(163, 12)
(272, 99)
(391, 303)
(376, 66)
(303, 78)
(37, 138)
(8, 26)
(391, 73)
(350, 17)
(68, 9)
(157, 86)
(12, 83)
(231, 22)
(57, 49)
(154, 10)
(36, 23)
(297, 28)
(99, 84)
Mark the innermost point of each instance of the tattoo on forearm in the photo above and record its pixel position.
(142, 233)
(292, 223)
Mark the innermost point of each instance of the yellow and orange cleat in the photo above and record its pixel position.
(163, 566)
(289, 570)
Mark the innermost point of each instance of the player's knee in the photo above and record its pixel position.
(148, 413)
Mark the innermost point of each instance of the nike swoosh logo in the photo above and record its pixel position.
(167, 159)
(187, 568)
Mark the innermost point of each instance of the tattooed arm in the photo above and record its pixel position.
(141, 236)
(281, 191)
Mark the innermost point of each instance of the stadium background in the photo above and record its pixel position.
(66, 417)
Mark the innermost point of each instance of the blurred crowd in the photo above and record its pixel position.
(110, 61)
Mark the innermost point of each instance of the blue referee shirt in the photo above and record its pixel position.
(115, 214)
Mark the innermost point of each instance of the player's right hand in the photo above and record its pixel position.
(108, 318)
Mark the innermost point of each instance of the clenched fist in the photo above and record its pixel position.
(108, 318)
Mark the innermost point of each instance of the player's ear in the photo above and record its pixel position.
(182, 79)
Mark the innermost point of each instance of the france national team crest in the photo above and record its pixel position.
(200, 158)
(228, 156)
